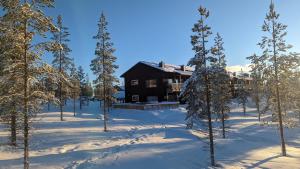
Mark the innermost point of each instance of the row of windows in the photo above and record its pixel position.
(149, 83)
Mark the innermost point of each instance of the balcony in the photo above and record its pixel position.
(174, 87)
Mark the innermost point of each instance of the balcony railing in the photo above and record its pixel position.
(174, 87)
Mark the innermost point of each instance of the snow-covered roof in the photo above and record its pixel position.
(171, 68)
(167, 67)
(188, 71)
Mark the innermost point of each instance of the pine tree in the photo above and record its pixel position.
(103, 66)
(26, 68)
(196, 90)
(242, 91)
(82, 82)
(62, 62)
(8, 111)
(221, 95)
(75, 89)
(278, 62)
(257, 82)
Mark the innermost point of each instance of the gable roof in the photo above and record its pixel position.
(166, 68)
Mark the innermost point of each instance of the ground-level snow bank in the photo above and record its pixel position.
(149, 139)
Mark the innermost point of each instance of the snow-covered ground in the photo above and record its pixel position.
(147, 140)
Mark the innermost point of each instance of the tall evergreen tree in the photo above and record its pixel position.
(196, 90)
(103, 66)
(221, 95)
(82, 82)
(242, 91)
(62, 62)
(257, 82)
(75, 88)
(8, 110)
(278, 62)
(26, 67)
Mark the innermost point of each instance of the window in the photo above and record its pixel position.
(135, 98)
(168, 81)
(151, 83)
(134, 82)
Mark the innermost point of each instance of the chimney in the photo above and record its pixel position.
(182, 67)
(161, 64)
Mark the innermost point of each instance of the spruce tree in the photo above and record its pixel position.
(62, 62)
(278, 62)
(196, 90)
(26, 68)
(221, 95)
(103, 66)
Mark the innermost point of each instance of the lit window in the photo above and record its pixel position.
(135, 98)
(134, 82)
(151, 83)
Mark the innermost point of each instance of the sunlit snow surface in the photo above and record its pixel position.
(154, 139)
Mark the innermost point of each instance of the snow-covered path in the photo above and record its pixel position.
(149, 139)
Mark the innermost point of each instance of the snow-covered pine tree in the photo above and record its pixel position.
(196, 90)
(278, 62)
(242, 91)
(8, 110)
(257, 81)
(50, 88)
(82, 82)
(26, 68)
(75, 88)
(62, 62)
(221, 95)
(103, 66)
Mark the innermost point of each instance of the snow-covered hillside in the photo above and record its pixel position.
(147, 140)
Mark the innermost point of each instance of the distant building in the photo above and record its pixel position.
(157, 82)
(152, 82)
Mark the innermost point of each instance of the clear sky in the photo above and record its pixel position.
(155, 30)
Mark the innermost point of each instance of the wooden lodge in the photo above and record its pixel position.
(152, 82)
(159, 82)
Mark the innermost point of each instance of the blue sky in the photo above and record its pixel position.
(155, 30)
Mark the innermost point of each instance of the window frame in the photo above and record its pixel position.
(135, 96)
(149, 85)
(134, 82)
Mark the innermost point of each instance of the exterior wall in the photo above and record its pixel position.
(142, 73)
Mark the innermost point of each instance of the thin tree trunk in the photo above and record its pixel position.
(25, 113)
(80, 103)
(74, 105)
(283, 149)
(211, 137)
(48, 105)
(258, 110)
(60, 81)
(104, 111)
(244, 108)
(223, 123)
(61, 102)
(13, 128)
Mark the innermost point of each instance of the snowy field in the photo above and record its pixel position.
(154, 139)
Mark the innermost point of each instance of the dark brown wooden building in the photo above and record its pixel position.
(152, 82)
(157, 82)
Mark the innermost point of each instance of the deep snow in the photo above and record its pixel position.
(147, 140)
